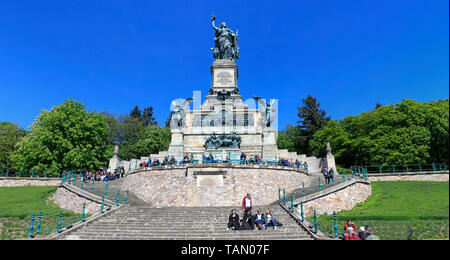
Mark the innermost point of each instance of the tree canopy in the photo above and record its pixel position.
(10, 135)
(137, 133)
(66, 137)
(408, 132)
(311, 119)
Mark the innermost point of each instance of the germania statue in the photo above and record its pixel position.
(225, 42)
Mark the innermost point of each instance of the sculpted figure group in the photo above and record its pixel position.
(223, 141)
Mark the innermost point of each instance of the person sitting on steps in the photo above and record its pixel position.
(243, 158)
(260, 219)
(173, 161)
(270, 220)
(233, 221)
(247, 220)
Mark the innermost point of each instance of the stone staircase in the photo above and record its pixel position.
(176, 223)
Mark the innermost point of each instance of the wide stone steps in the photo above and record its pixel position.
(146, 223)
(170, 228)
(161, 237)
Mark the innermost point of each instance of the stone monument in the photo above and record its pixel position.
(224, 125)
(224, 121)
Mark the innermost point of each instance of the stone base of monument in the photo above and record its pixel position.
(209, 185)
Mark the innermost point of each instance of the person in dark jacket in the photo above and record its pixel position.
(331, 176)
(233, 221)
(247, 220)
(362, 233)
(243, 158)
(326, 175)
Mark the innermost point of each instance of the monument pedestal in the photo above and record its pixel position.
(270, 149)
(114, 161)
(176, 147)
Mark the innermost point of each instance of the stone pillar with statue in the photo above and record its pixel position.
(114, 161)
(330, 158)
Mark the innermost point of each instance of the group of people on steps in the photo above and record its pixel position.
(249, 220)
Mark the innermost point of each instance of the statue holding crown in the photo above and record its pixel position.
(225, 42)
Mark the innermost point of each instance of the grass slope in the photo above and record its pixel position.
(18, 203)
(401, 210)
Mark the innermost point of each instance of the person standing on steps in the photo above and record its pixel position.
(326, 175)
(247, 202)
(122, 172)
(331, 176)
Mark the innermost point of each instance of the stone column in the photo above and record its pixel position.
(176, 147)
(330, 158)
(269, 149)
(114, 161)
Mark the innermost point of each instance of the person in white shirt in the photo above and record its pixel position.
(224, 156)
(247, 202)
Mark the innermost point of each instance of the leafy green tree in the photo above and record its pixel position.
(138, 134)
(10, 135)
(116, 128)
(152, 140)
(312, 119)
(66, 137)
(339, 141)
(286, 138)
(409, 132)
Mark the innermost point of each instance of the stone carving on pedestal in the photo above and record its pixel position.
(224, 77)
(223, 141)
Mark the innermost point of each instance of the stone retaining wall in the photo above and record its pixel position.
(73, 202)
(195, 187)
(344, 199)
(16, 182)
(411, 177)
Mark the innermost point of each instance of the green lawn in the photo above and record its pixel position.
(18, 203)
(401, 210)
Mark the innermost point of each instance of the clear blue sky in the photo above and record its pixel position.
(112, 55)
